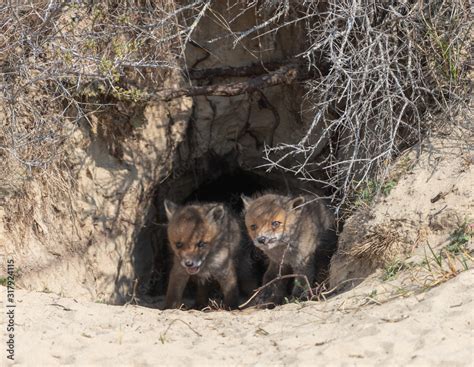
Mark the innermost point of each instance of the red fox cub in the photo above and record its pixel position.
(298, 236)
(206, 242)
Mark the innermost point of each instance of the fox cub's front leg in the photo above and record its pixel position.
(276, 292)
(229, 286)
(202, 295)
(176, 285)
(306, 269)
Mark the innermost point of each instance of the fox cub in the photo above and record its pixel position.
(206, 240)
(298, 236)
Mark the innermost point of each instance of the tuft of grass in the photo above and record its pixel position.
(373, 294)
(388, 186)
(371, 298)
(366, 195)
(447, 54)
(18, 272)
(417, 276)
(381, 244)
(459, 238)
(392, 269)
(440, 266)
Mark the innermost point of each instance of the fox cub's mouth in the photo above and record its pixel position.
(191, 266)
(193, 270)
(269, 244)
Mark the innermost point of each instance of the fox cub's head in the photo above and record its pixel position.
(270, 218)
(192, 231)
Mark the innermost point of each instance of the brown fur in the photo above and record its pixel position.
(214, 227)
(296, 233)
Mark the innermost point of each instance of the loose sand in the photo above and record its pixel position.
(434, 328)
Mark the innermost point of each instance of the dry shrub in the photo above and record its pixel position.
(60, 61)
(388, 65)
(380, 68)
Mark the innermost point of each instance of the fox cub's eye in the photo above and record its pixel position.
(253, 227)
(201, 244)
(276, 224)
(179, 245)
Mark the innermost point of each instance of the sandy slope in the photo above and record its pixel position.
(432, 328)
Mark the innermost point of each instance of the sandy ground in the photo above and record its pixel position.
(434, 328)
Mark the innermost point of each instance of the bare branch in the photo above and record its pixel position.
(284, 75)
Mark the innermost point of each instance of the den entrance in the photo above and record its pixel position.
(215, 179)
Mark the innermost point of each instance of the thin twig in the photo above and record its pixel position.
(185, 323)
(287, 276)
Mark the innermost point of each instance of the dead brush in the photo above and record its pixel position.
(381, 244)
(380, 68)
(61, 61)
(388, 67)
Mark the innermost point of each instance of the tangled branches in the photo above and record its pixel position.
(57, 58)
(391, 64)
(378, 69)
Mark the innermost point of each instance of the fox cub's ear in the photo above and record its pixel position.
(170, 209)
(216, 213)
(296, 203)
(246, 200)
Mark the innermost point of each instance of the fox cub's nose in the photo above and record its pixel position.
(262, 240)
(189, 263)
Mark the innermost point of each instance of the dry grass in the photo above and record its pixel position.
(416, 275)
(402, 278)
(381, 244)
(441, 265)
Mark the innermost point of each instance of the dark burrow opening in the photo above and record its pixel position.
(210, 179)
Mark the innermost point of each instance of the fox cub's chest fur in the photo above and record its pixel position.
(297, 234)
